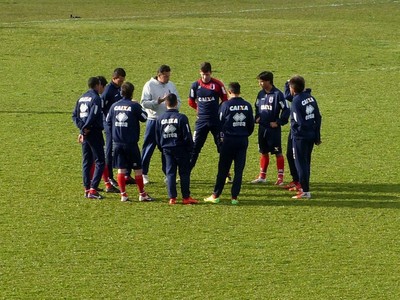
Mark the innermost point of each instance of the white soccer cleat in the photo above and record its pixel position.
(146, 179)
(259, 180)
(302, 195)
(124, 199)
(144, 197)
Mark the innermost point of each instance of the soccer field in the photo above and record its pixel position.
(342, 244)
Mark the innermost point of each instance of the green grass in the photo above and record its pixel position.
(342, 244)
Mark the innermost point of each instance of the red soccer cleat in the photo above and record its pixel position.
(189, 200)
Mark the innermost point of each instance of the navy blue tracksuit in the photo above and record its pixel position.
(174, 139)
(110, 95)
(124, 119)
(237, 124)
(305, 126)
(87, 116)
(270, 107)
(289, 147)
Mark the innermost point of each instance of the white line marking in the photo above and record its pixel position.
(196, 13)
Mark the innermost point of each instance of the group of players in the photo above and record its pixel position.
(224, 113)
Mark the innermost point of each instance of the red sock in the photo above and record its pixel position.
(139, 183)
(105, 177)
(106, 174)
(121, 182)
(280, 165)
(264, 162)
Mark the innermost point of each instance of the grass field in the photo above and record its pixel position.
(342, 244)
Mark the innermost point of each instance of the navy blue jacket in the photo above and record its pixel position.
(111, 95)
(173, 130)
(271, 107)
(236, 116)
(305, 118)
(123, 118)
(87, 112)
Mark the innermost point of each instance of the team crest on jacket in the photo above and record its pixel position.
(239, 119)
(169, 131)
(83, 108)
(309, 112)
(309, 109)
(121, 120)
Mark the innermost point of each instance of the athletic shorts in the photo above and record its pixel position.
(269, 140)
(126, 156)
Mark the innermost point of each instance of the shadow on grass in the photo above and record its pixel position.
(355, 195)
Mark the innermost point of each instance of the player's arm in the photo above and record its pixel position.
(186, 132)
(250, 120)
(158, 134)
(147, 100)
(192, 103)
(141, 113)
(223, 94)
(94, 111)
(109, 118)
(318, 122)
(287, 94)
(221, 116)
(77, 121)
(284, 109)
(257, 111)
(192, 97)
(105, 96)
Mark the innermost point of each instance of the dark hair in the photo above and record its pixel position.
(205, 67)
(103, 80)
(93, 81)
(119, 72)
(266, 76)
(234, 87)
(171, 100)
(127, 89)
(297, 83)
(163, 69)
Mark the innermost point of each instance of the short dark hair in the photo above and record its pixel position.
(127, 89)
(163, 69)
(234, 87)
(119, 72)
(93, 81)
(266, 76)
(205, 67)
(103, 80)
(171, 100)
(297, 83)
